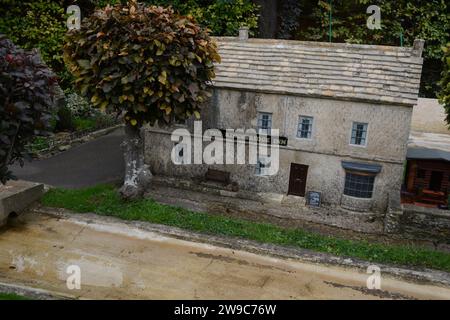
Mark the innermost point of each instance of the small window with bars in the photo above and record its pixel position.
(359, 185)
(359, 134)
(304, 130)
(264, 122)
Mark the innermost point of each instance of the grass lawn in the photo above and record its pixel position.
(11, 296)
(104, 200)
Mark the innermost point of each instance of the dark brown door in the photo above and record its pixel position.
(297, 179)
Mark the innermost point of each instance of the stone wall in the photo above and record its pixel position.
(425, 223)
(388, 129)
(330, 144)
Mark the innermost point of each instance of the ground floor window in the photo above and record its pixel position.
(263, 166)
(359, 185)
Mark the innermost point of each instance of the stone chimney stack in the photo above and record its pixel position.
(243, 33)
(418, 47)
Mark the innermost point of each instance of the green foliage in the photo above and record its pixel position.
(38, 144)
(105, 200)
(428, 20)
(222, 17)
(289, 18)
(96, 121)
(11, 296)
(145, 61)
(444, 95)
(64, 120)
(26, 100)
(79, 106)
(85, 117)
(37, 24)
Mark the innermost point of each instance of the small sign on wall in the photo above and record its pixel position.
(314, 198)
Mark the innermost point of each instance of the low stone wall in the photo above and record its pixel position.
(15, 196)
(425, 223)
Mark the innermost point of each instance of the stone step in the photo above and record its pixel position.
(16, 196)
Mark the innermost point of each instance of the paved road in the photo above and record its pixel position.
(120, 262)
(91, 163)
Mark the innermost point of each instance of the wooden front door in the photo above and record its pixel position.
(297, 179)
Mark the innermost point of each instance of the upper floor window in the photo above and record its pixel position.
(264, 122)
(359, 134)
(304, 129)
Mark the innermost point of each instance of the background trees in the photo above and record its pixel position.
(41, 24)
(27, 90)
(145, 62)
(37, 24)
(428, 20)
(444, 95)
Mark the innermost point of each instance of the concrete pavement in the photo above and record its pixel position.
(118, 261)
(97, 161)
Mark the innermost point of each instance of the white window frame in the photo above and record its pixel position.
(300, 118)
(355, 123)
(259, 124)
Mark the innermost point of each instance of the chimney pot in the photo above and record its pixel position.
(418, 47)
(243, 33)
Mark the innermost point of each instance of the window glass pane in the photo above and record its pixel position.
(359, 133)
(305, 127)
(360, 186)
(264, 122)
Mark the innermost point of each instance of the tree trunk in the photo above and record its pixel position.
(137, 173)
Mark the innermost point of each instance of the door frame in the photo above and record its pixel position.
(301, 193)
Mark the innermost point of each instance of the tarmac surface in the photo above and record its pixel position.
(95, 162)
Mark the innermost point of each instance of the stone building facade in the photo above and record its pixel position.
(344, 112)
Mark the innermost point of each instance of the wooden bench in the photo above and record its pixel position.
(433, 197)
(217, 176)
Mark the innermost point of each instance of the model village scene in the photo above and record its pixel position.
(225, 150)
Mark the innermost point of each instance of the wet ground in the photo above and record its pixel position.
(120, 262)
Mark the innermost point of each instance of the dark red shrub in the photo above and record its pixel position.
(26, 102)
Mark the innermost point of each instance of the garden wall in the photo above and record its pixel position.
(426, 223)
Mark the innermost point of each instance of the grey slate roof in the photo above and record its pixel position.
(380, 74)
(427, 145)
(427, 154)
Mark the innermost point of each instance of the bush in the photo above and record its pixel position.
(158, 69)
(146, 62)
(84, 116)
(222, 17)
(79, 106)
(37, 24)
(64, 120)
(27, 89)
